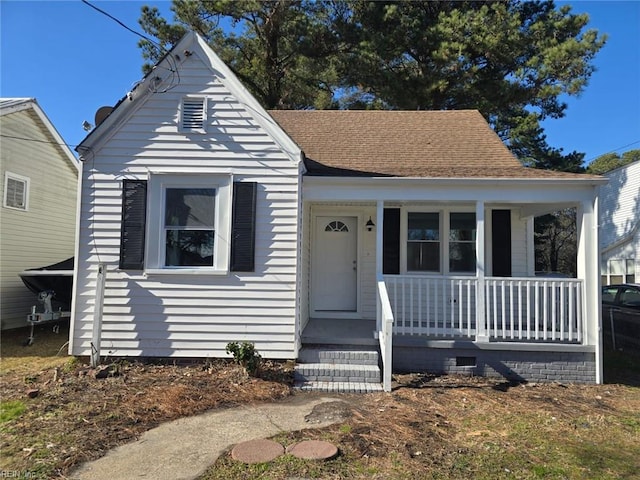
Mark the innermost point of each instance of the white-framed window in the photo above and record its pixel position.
(618, 270)
(193, 114)
(423, 242)
(439, 242)
(189, 223)
(462, 242)
(16, 191)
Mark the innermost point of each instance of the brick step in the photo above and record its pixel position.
(336, 372)
(339, 387)
(338, 355)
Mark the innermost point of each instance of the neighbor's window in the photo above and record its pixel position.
(618, 270)
(423, 242)
(16, 191)
(462, 242)
(189, 226)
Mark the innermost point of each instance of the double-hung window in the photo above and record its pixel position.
(462, 242)
(432, 237)
(16, 191)
(423, 242)
(189, 226)
(189, 223)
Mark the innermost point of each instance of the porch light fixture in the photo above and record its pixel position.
(369, 224)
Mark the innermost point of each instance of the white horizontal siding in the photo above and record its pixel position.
(619, 204)
(179, 314)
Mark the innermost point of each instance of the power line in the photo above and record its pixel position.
(613, 151)
(172, 62)
(123, 25)
(36, 140)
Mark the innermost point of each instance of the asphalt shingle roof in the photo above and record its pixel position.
(439, 144)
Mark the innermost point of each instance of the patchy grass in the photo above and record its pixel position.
(461, 428)
(76, 417)
(428, 427)
(49, 350)
(11, 410)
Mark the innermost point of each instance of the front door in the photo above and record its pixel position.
(334, 265)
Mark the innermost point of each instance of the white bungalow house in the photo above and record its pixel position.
(325, 236)
(39, 189)
(620, 225)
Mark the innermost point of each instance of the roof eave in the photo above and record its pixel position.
(326, 180)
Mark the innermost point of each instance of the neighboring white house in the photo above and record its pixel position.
(214, 221)
(39, 191)
(620, 225)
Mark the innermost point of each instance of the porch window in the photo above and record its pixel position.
(462, 242)
(423, 242)
(425, 246)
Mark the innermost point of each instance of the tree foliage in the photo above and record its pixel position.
(610, 161)
(511, 60)
(280, 49)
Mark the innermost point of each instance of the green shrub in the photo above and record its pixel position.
(245, 354)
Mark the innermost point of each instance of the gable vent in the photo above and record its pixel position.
(193, 113)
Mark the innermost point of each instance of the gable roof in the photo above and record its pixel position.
(191, 44)
(14, 105)
(438, 144)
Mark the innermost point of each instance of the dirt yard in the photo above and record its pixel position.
(57, 413)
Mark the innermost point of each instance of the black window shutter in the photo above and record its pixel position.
(243, 227)
(391, 242)
(132, 229)
(501, 243)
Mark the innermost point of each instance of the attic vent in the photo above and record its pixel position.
(193, 113)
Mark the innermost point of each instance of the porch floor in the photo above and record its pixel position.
(334, 331)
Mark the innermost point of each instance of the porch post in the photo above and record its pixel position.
(481, 327)
(379, 253)
(589, 273)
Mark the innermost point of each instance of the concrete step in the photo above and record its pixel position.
(339, 387)
(338, 354)
(336, 372)
(338, 368)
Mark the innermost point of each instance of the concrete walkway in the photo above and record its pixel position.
(185, 448)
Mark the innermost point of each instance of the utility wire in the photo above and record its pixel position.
(172, 62)
(123, 25)
(613, 151)
(36, 140)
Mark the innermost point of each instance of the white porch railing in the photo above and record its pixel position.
(534, 309)
(384, 327)
(433, 306)
(516, 309)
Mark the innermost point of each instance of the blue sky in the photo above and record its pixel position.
(75, 60)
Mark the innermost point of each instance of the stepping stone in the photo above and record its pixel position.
(313, 450)
(257, 451)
